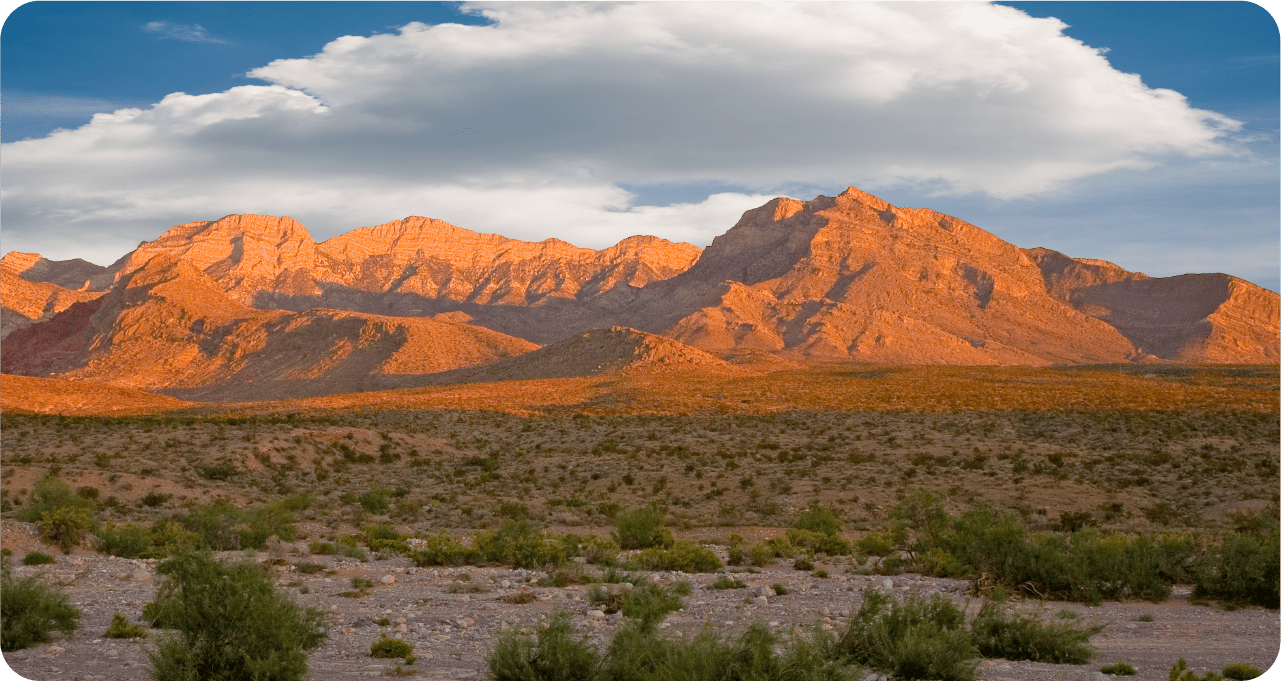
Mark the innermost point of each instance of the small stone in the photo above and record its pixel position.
(596, 614)
(825, 626)
(348, 630)
(401, 628)
(505, 584)
(887, 583)
(762, 600)
(388, 579)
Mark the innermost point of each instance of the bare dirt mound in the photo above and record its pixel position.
(79, 398)
(616, 350)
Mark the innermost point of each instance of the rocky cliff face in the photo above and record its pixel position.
(33, 288)
(250, 306)
(412, 266)
(168, 326)
(852, 278)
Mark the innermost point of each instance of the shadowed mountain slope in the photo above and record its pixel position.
(616, 350)
(33, 288)
(167, 326)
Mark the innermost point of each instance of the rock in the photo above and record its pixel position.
(141, 575)
(579, 559)
(388, 579)
(596, 614)
(348, 631)
(401, 628)
(762, 600)
(887, 583)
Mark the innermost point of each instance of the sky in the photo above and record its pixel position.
(1145, 133)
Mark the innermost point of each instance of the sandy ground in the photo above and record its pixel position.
(452, 632)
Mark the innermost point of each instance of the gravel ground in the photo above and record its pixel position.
(452, 632)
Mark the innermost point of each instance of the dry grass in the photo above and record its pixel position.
(1137, 470)
(846, 389)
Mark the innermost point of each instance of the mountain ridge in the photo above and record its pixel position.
(844, 279)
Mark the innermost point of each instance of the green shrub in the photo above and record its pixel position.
(1241, 672)
(298, 502)
(684, 555)
(37, 558)
(443, 549)
(594, 549)
(30, 610)
(380, 531)
(649, 604)
(818, 542)
(642, 528)
(376, 500)
(265, 522)
(1180, 672)
(215, 524)
(820, 519)
(766, 551)
(230, 623)
(1246, 568)
(998, 634)
(556, 654)
(518, 543)
(875, 544)
(388, 647)
(512, 510)
(803, 563)
(125, 541)
(779, 590)
(65, 526)
(50, 494)
(1119, 669)
(609, 509)
(120, 628)
(728, 583)
(912, 639)
(638, 655)
(309, 568)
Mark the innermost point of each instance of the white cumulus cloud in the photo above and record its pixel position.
(531, 125)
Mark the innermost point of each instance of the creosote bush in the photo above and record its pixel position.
(37, 558)
(120, 628)
(637, 653)
(1241, 672)
(65, 526)
(996, 633)
(684, 555)
(388, 647)
(642, 528)
(30, 610)
(1119, 669)
(229, 623)
(1247, 568)
(913, 639)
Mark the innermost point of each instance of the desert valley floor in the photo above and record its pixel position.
(1129, 449)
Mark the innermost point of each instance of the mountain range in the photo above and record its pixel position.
(250, 306)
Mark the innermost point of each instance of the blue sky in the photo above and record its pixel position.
(555, 121)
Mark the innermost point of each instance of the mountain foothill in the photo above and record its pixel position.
(251, 307)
